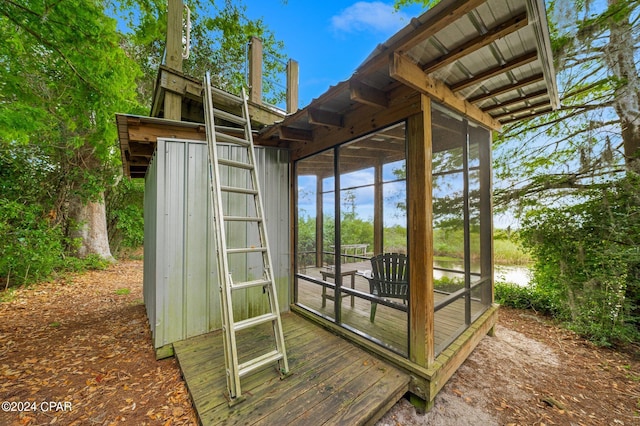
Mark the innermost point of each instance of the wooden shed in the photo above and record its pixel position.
(397, 159)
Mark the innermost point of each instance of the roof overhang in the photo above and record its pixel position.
(489, 60)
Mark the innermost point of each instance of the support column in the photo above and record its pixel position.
(378, 210)
(420, 212)
(173, 101)
(292, 86)
(255, 70)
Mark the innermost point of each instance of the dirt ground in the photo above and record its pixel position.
(77, 351)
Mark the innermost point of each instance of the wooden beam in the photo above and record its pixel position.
(255, 70)
(293, 134)
(292, 86)
(325, 118)
(420, 228)
(367, 95)
(501, 69)
(508, 88)
(477, 43)
(525, 117)
(441, 16)
(530, 107)
(173, 101)
(516, 101)
(404, 70)
(361, 120)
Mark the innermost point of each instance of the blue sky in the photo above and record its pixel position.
(329, 39)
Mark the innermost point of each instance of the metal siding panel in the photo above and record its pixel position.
(196, 310)
(174, 247)
(150, 227)
(181, 244)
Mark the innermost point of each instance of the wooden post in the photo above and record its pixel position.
(319, 223)
(173, 50)
(292, 86)
(421, 302)
(378, 210)
(255, 70)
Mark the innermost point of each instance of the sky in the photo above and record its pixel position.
(329, 39)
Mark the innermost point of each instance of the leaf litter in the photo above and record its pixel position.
(83, 340)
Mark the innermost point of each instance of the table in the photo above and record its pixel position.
(331, 274)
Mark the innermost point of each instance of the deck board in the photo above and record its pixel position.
(331, 381)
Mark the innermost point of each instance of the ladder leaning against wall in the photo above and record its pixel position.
(249, 222)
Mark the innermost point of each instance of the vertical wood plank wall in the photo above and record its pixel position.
(421, 333)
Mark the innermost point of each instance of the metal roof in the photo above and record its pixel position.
(492, 56)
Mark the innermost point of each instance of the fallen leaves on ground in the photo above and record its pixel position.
(83, 342)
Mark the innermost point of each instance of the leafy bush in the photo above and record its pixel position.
(586, 256)
(125, 214)
(31, 249)
(529, 297)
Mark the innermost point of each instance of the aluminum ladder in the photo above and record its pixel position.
(238, 135)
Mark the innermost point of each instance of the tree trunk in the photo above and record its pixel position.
(90, 228)
(620, 58)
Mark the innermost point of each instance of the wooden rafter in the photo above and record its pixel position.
(441, 17)
(477, 43)
(404, 70)
(293, 134)
(501, 69)
(517, 111)
(325, 118)
(516, 101)
(524, 117)
(509, 88)
(367, 95)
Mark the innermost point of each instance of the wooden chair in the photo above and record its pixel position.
(389, 278)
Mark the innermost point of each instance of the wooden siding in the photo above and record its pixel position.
(331, 381)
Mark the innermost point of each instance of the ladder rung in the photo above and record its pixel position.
(222, 137)
(257, 363)
(239, 190)
(227, 95)
(242, 219)
(252, 322)
(250, 284)
(230, 117)
(233, 163)
(247, 250)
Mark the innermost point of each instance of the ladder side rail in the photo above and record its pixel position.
(259, 206)
(231, 356)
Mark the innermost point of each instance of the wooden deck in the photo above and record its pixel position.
(391, 325)
(331, 381)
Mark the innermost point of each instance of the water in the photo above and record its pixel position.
(519, 275)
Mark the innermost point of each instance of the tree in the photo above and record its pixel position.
(64, 74)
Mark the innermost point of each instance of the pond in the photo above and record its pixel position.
(515, 274)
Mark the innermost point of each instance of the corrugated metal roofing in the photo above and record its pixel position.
(493, 54)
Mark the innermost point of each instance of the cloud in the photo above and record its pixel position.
(369, 16)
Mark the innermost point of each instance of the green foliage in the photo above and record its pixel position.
(31, 249)
(587, 254)
(125, 214)
(530, 297)
(122, 291)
